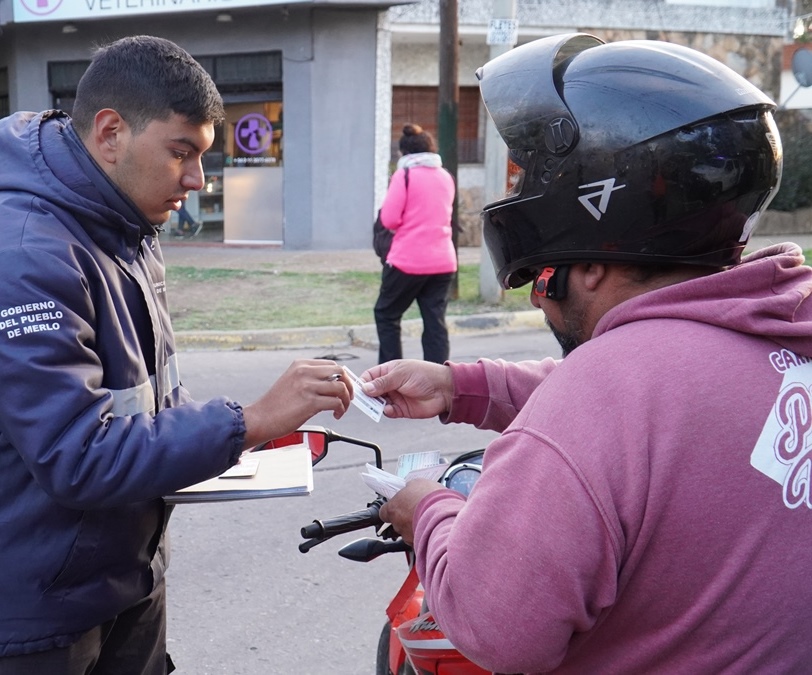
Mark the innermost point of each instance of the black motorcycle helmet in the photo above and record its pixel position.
(633, 152)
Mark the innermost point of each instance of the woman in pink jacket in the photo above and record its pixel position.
(422, 260)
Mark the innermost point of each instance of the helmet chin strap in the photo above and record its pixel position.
(551, 283)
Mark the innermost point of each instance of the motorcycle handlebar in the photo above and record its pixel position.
(321, 530)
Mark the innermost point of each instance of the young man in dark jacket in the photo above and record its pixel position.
(95, 425)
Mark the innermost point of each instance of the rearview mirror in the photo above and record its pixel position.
(317, 439)
(313, 437)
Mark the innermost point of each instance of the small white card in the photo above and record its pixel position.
(413, 461)
(245, 469)
(369, 405)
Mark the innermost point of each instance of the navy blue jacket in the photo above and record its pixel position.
(95, 424)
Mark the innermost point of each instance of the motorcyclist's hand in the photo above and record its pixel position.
(413, 389)
(399, 511)
(307, 387)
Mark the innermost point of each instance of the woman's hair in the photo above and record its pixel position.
(414, 140)
(145, 78)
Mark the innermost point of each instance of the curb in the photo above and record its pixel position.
(365, 336)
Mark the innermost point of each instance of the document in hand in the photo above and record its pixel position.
(280, 472)
(413, 465)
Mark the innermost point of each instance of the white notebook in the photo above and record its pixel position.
(280, 472)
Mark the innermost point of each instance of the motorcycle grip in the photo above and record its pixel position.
(348, 522)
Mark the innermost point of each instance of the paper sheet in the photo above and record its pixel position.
(388, 484)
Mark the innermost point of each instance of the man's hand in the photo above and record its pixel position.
(400, 509)
(413, 389)
(307, 387)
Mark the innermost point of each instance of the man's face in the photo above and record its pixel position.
(158, 167)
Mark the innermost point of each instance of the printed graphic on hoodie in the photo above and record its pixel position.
(783, 451)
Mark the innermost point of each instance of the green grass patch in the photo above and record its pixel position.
(227, 299)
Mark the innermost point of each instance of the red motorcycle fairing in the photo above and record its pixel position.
(430, 652)
(406, 605)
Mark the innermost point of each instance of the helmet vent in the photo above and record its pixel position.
(560, 135)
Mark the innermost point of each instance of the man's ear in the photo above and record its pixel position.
(594, 275)
(107, 136)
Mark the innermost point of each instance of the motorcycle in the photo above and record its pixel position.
(411, 642)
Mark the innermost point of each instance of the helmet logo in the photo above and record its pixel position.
(559, 135)
(607, 188)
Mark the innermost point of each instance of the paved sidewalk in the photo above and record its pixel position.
(193, 254)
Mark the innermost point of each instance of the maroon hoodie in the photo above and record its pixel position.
(647, 507)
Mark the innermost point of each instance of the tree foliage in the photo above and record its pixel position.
(796, 184)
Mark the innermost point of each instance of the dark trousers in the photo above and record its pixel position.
(185, 220)
(398, 291)
(134, 643)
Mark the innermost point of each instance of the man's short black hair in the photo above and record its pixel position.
(145, 78)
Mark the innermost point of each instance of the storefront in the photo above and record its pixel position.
(302, 157)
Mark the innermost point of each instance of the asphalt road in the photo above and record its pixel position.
(242, 599)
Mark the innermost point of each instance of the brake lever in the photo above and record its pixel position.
(386, 531)
(305, 546)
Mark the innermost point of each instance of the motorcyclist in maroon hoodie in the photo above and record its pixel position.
(646, 505)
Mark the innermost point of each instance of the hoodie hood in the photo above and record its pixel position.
(43, 156)
(766, 295)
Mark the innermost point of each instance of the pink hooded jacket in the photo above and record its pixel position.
(648, 506)
(420, 216)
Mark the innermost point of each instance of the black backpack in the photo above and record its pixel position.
(382, 237)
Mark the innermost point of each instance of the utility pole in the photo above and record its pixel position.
(502, 35)
(448, 108)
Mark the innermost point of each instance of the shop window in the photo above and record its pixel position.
(251, 136)
(420, 106)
